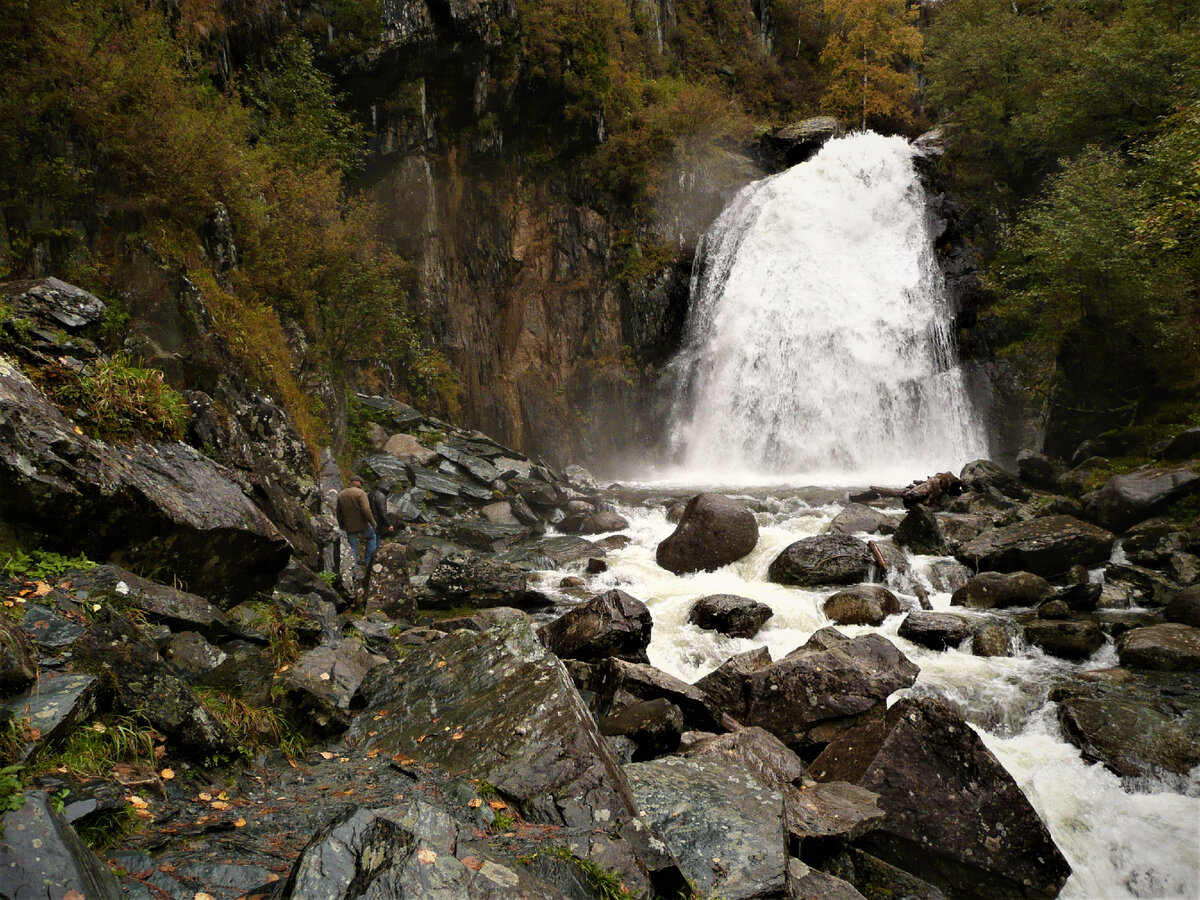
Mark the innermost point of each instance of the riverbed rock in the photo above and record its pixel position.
(154, 505)
(877, 878)
(807, 883)
(1134, 496)
(822, 559)
(985, 477)
(654, 727)
(953, 815)
(18, 666)
(1184, 607)
(41, 856)
(738, 617)
(959, 528)
(465, 579)
(820, 689)
(726, 829)
(319, 686)
(610, 624)
(1040, 470)
(1047, 546)
(918, 532)
(714, 531)
(1065, 639)
(937, 631)
(616, 677)
(947, 575)
(723, 685)
(508, 713)
(1171, 647)
(863, 604)
(858, 518)
(170, 606)
(992, 639)
(602, 523)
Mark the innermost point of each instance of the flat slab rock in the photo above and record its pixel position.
(1168, 647)
(1047, 546)
(499, 706)
(726, 829)
(53, 706)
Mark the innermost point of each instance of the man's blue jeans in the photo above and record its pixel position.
(372, 543)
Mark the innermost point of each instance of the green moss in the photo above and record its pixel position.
(42, 565)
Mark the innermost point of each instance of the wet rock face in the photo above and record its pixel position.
(919, 532)
(937, 631)
(1130, 498)
(613, 624)
(823, 559)
(953, 815)
(41, 856)
(726, 828)
(17, 666)
(864, 604)
(1066, 639)
(738, 617)
(157, 505)
(714, 531)
(1047, 546)
(1169, 647)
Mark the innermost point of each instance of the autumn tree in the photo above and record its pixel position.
(871, 46)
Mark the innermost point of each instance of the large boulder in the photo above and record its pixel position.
(937, 631)
(1184, 607)
(52, 708)
(500, 707)
(919, 532)
(1065, 638)
(610, 624)
(178, 610)
(863, 604)
(388, 590)
(157, 506)
(1127, 499)
(464, 579)
(653, 726)
(822, 559)
(726, 829)
(735, 616)
(858, 518)
(41, 856)
(817, 691)
(1047, 546)
(616, 678)
(985, 477)
(723, 685)
(1168, 648)
(953, 815)
(321, 683)
(714, 531)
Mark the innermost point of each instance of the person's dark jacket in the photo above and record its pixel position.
(353, 510)
(378, 501)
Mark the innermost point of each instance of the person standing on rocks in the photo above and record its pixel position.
(378, 500)
(356, 519)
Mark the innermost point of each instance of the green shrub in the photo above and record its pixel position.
(42, 565)
(120, 401)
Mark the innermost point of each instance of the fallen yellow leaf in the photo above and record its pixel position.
(220, 804)
(426, 857)
(166, 774)
(475, 804)
(223, 796)
(325, 754)
(240, 823)
(205, 796)
(137, 802)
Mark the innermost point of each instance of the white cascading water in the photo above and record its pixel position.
(818, 342)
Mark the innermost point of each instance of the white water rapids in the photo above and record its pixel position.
(818, 353)
(1122, 840)
(818, 339)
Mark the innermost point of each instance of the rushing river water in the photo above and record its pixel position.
(1133, 839)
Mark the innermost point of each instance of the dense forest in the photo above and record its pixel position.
(1071, 130)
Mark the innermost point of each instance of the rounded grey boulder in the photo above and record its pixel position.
(714, 531)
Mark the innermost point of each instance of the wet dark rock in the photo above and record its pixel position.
(17, 665)
(53, 304)
(1083, 597)
(878, 878)
(1040, 470)
(953, 815)
(738, 617)
(937, 631)
(612, 624)
(822, 688)
(596, 566)
(400, 416)
(1068, 640)
(484, 619)
(771, 761)
(858, 518)
(505, 708)
(603, 522)
(388, 590)
(559, 552)
(984, 476)
(724, 685)
(863, 604)
(947, 576)
(157, 505)
(42, 857)
(478, 468)
(405, 506)
(1080, 479)
(174, 608)
(1184, 607)
(407, 850)
(806, 883)
(823, 559)
(297, 578)
(463, 579)
(714, 532)
(725, 828)
(536, 492)
(247, 671)
(991, 639)
(1142, 586)
(192, 655)
(1054, 609)
(1168, 648)
(51, 709)
(1184, 445)
(654, 727)
(1046, 546)
(50, 629)
(143, 683)
(789, 145)
(959, 528)
(918, 532)
(1134, 496)
(487, 536)
(321, 683)
(614, 677)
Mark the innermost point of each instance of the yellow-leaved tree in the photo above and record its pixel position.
(871, 48)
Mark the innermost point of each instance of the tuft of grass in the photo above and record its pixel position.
(120, 401)
(93, 749)
(106, 830)
(254, 727)
(607, 883)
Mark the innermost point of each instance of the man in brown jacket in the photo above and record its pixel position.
(355, 518)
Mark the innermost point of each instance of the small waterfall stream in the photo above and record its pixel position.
(818, 341)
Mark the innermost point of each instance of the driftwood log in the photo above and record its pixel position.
(926, 493)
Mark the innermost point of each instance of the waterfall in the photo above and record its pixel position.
(818, 346)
